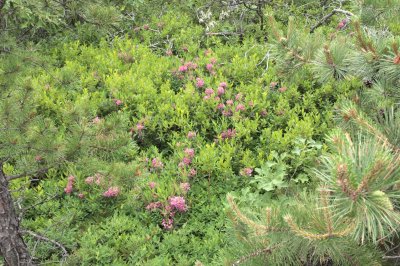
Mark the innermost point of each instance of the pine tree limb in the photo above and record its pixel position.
(252, 255)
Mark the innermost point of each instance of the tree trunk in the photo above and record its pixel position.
(2, 3)
(12, 246)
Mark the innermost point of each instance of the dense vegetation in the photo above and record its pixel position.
(199, 132)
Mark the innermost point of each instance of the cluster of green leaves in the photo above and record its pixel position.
(87, 96)
(84, 82)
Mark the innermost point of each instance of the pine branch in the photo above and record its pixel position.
(252, 255)
(312, 236)
(244, 218)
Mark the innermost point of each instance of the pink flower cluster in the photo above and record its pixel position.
(189, 152)
(118, 102)
(178, 203)
(154, 205)
(185, 186)
(152, 184)
(168, 223)
(209, 91)
(97, 178)
(246, 171)
(187, 66)
(192, 172)
(191, 134)
(68, 189)
(111, 192)
(240, 107)
(210, 66)
(199, 83)
(156, 163)
(228, 134)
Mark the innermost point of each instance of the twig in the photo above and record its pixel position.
(328, 16)
(39, 171)
(391, 257)
(43, 238)
(222, 33)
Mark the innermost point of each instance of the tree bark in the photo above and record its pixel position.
(2, 3)
(12, 246)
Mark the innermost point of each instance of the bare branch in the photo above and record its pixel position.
(328, 16)
(39, 171)
(43, 238)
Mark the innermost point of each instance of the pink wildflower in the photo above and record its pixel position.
(213, 60)
(167, 223)
(207, 97)
(185, 186)
(282, 89)
(118, 102)
(146, 27)
(199, 82)
(169, 52)
(192, 172)
(68, 188)
(185, 49)
(189, 152)
(342, 24)
(38, 158)
(178, 203)
(191, 134)
(209, 67)
(238, 96)
(111, 192)
(220, 106)
(227, 113)
(263, 112)
(240, 107)
(153, 205)
(139, 127)
(81, 195)
(220, 90)
(223, 84)
(209, 91)
(156, 163)
(272, 85)
(228, 134)
(152, 185)
(229, 102)
(89, 180)
(217, 98)
(191, 65)
(183, 68)
(186, 161)
(246, 171)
